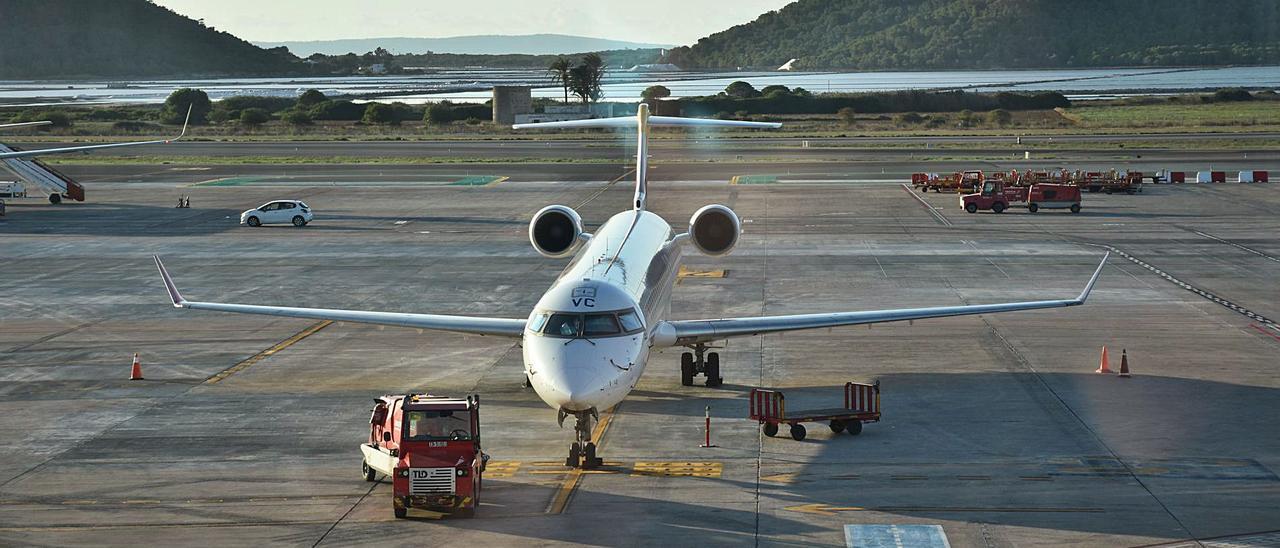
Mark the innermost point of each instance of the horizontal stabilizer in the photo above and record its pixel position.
(654, 121)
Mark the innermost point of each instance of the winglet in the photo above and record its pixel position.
(184, 129)
(1088, 288)
(174, 296)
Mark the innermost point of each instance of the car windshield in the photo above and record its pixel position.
(437, 425)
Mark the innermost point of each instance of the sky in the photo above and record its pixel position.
(668, 22)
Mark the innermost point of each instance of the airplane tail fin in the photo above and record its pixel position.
(642, 121)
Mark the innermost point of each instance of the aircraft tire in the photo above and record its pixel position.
(713, 370)
(686, 369)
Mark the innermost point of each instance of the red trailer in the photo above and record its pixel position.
(861, 404)
(997, 197)
(430, 448)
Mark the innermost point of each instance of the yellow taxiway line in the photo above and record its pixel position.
(566, 490)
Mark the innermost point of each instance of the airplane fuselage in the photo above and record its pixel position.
(588, 339)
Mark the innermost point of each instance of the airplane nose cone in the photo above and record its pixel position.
(579, 375)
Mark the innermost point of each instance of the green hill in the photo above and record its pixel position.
(989, 34)
(122, 39)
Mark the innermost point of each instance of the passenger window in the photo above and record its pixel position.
(286, 205)
(270, 207)
(630, 321)
(563, 325)
(601, 325)
(538, 321)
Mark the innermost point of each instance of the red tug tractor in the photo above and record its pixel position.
(430, 448)
(997, 197)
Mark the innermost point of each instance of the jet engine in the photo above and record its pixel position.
(714, 230)
(555, 231)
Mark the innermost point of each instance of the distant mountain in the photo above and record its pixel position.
(988, 34)
(121, 39)
(531, 44)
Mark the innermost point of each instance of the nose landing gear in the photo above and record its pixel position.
(700, 361)
(582, 454)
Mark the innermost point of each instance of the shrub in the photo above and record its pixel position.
(741, 90)
(296, 117)
(176, 105)
(378, 113)
(1000, 117)
(310, 98)
(337, 110)
(439, 113)
(847, 115)
(254, 117)
(908, 118)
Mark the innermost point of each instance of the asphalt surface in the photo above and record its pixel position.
(995, 427)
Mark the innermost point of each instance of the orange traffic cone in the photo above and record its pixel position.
(1124, 363)
(136, 373)
(1105, 366)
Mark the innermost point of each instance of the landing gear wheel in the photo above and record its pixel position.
(575, 454)
(298, 221)
(971, 208)
(713, 370)
(368, 473)
(1075, 208)
(997, 207)
(253, 221)
(797, 432)
(686, 369)
(589, 458)
(837, 426)
(1033, 208)
(55, 199)
(853, 427)
(770, 429)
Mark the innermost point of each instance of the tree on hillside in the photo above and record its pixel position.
(559, 72)
(741, 90)
(175, 107)
(439, 113)
(655, 92)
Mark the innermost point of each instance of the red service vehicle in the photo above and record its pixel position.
(430, 448)
(997, 197)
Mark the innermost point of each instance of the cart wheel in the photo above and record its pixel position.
(837, 426)
(770, 429)
(971, 207)
(854, 427)
(1033, 207)
(1075, 208)
(369, 473)
(797, 432)
(997, 207)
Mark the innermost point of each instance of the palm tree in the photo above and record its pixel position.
(559, 72)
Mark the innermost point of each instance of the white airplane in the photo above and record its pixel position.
(587, 341)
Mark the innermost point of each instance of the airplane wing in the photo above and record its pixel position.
(656, 121)
(25, 124)
(701, 331)
(499, 327)
(64, 150)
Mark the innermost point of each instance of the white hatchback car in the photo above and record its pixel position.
(278, 212)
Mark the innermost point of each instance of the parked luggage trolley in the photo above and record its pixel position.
(861, 404)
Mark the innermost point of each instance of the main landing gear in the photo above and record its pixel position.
(700, 361)
(582, 454)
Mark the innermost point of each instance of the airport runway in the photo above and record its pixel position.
(995, 427)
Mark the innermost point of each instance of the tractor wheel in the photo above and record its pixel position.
(369, 473)
(1033, 208)
(971, 207)
(1075, 208)
(997, 207)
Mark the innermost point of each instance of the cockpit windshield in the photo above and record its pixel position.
(596, 324)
